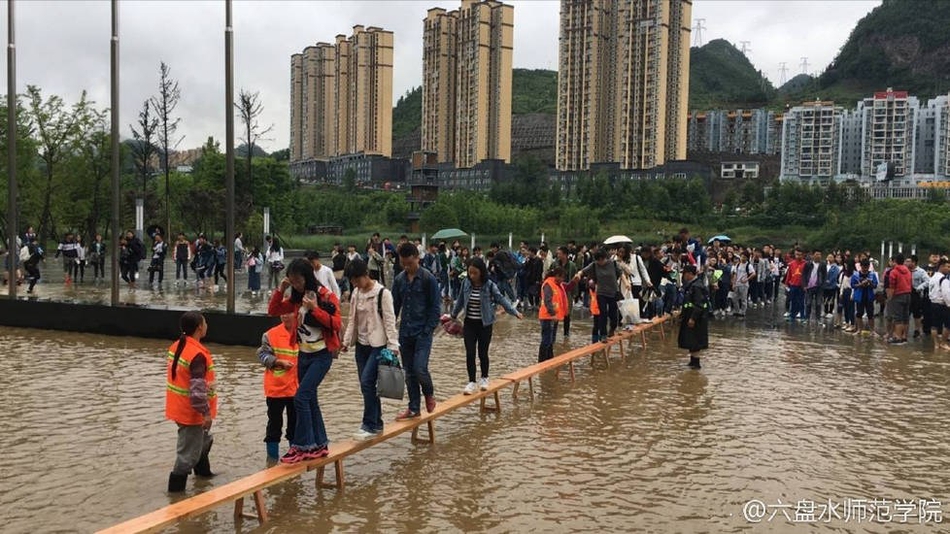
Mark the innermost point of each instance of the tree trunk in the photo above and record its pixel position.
(47, 230)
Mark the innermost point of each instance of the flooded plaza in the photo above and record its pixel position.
(780, 416)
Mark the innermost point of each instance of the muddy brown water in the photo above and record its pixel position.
(779, 413)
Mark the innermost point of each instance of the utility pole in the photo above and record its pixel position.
(114, 113)
(12, 224)
(698, 28)
(229, 147)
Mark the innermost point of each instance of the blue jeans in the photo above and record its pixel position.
(415, 360)
(846, 306)
(796, 298)
(367, 368)
(310, 431)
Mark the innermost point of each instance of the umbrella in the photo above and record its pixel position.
(721, 238)
(449, 233)
(616, 239)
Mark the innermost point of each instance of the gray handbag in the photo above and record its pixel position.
(391, 379)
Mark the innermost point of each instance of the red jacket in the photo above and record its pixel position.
(900, 280)
(793, 278)
(331, 324)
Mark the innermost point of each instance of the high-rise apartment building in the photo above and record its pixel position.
(466, 87)
(341, 96)
(889, 124)
(810, 136)
(623, 82)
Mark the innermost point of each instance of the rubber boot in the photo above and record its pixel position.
(694, 362)
(550, 352)
(541, 354)
(177, 483)
(203, 467)
(273, 451)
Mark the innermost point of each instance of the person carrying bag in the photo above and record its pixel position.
(372, 330)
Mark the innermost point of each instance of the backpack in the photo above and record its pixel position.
(507, 263)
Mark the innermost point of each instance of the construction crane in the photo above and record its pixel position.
(698, 29)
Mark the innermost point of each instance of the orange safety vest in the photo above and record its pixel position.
(177, 403)
(559, 299)
(280, 383)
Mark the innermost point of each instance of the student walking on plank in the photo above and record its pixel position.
(317, 317)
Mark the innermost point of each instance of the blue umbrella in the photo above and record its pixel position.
(722, 238)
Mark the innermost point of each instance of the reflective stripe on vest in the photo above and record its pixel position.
(280, 383)
(177, 390)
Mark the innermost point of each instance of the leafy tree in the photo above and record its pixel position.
(55, 128)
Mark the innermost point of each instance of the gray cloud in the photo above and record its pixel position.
(63, 46)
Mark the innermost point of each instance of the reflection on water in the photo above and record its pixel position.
(778, 412)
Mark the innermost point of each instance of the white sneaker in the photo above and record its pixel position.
(483, 384)
(363, 435)
(786, 314)
(470, 388)
(829, 316)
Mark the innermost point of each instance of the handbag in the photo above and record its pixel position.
(390, 378)
(630, 311)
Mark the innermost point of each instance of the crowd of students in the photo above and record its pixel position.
(394, 315)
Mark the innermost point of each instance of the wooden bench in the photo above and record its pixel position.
(253, 485)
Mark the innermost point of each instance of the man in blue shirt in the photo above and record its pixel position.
(416, 300)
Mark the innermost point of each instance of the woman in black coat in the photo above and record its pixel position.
(694, 328)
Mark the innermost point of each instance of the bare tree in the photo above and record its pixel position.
(164, 105)
(250, 107)
(55, 128)
(144, 149)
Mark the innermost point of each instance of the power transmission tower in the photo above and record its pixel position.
(782, 73)
(746, 49)
(804, 65)
(698, 29)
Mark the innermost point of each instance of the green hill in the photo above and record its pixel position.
(904, 44)
(798, 84)
(721, 76)
(533, 91)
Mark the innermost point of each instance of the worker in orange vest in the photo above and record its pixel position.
(553, 308)
(278, 353)
(190, 400)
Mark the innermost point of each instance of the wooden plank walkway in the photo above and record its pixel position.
(489, 400)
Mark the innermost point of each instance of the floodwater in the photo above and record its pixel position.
(782, 415)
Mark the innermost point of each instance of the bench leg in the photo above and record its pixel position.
(339, 480)
(258, 504)
(623, 356)
(531, 386)
(662, 331)
(496, 408)
(514, 390)
(643, 339)
(570, 366)
(430, 426)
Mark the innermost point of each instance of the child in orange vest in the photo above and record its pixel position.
(278, 354)
(552, 309)
(190, 400)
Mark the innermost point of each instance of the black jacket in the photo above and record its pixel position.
(806, 273)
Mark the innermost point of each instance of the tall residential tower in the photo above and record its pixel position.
(623, 82)
(342, 96)
(466, 82)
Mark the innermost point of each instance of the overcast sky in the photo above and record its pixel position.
(63, 46)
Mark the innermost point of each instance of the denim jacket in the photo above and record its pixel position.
(417, 303)
(491, 297)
